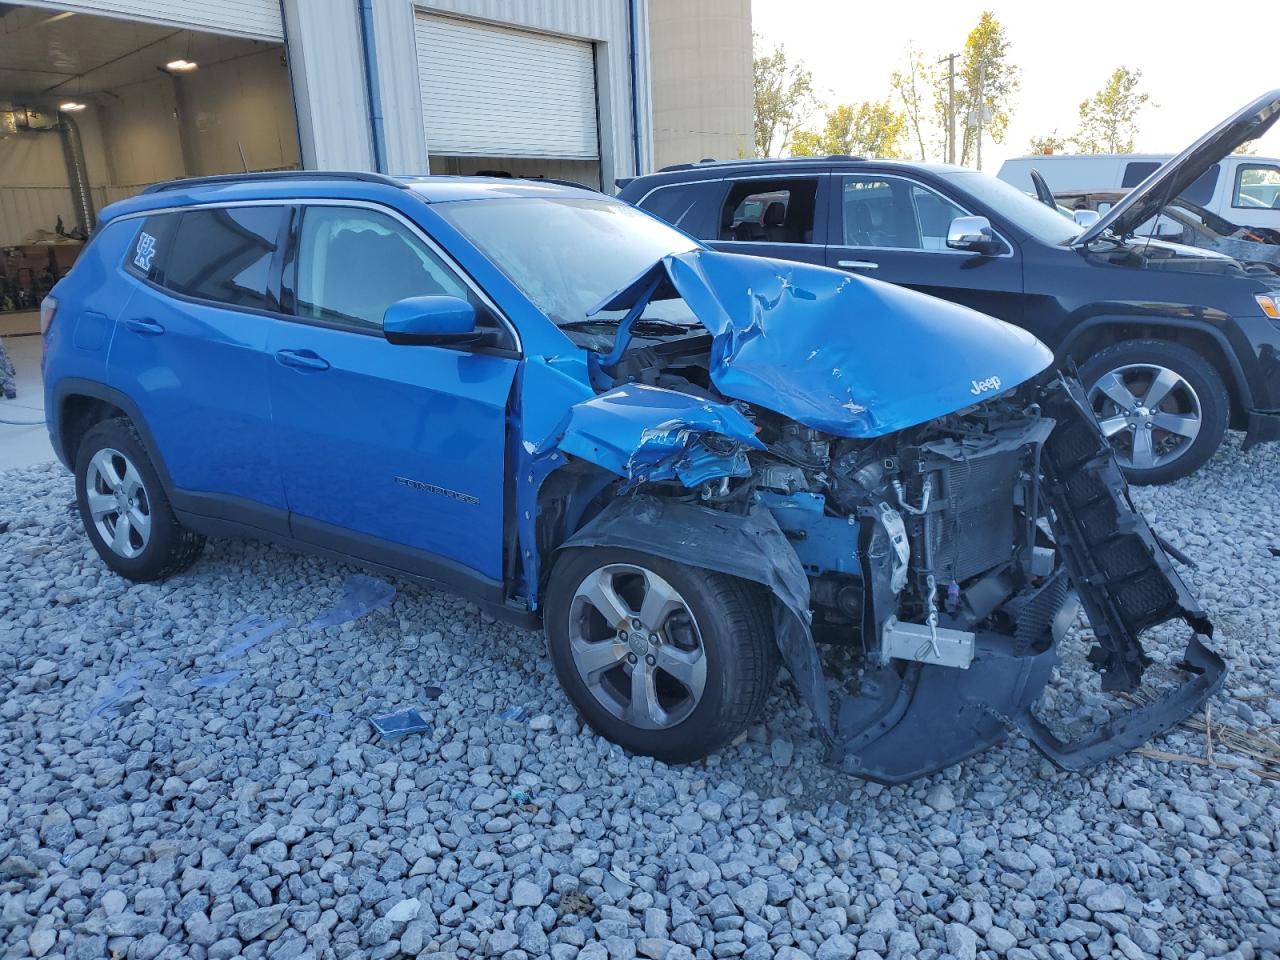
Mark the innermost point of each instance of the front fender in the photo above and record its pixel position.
(749, 546)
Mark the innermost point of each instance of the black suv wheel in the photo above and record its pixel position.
(667, 660)
(124, 508)
(1162, 405)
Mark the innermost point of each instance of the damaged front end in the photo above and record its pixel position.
(939, 545)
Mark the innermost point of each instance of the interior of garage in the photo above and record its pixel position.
(93, 109)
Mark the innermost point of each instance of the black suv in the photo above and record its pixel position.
(1175, 344)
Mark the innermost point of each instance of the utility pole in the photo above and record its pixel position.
(950, 61)
(982, 106)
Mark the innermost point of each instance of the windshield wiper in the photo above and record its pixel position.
(645, 325)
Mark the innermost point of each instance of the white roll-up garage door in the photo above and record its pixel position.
(258, 19)
(495, 92)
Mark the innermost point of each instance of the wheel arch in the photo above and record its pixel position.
(81, 404)
(1099, 332)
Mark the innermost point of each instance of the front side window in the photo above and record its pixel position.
(770, 211)
(1257, 186)
(353, 263)
(934, 214)
(223, 254)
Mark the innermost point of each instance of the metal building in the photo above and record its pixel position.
(99, 98)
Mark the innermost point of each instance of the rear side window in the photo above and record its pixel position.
(770, 211)
(224, 254)
(690, 206)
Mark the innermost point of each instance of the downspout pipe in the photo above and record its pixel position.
(77, 174)
(371, 87)
(635, 91)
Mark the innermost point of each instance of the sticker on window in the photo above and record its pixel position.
(145, 251)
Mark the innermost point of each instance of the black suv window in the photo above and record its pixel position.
(693, 207)
(1200, 192)
(353, 263)
(222, 254)
(770, 211)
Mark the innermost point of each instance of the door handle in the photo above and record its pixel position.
(145, 326)
(302, 360)
(858, 264)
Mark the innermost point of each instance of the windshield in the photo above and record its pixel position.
(1042, 222)
(565, 255)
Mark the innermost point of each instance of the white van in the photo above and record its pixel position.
(1242, 189)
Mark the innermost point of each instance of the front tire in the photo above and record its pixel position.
(124, 508)
(1162, 405)
(666, 660)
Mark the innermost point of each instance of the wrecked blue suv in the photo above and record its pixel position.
(687, 465)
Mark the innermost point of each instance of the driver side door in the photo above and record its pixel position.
(894, 228)
(391, 453)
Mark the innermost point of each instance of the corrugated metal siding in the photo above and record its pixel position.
(604, 22)
(259, 19)
(25, 209)
(326, 65)
(494, 91)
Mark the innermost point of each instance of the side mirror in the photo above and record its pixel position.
(437, 321)
(1086, 218)
(973, 233)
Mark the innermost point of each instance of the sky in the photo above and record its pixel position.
(1198, 69)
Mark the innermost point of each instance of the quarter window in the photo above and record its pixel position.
(354, 263)
(1257, 186)
(690, 206)
(222, 254)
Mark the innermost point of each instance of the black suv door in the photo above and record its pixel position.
(894, 228)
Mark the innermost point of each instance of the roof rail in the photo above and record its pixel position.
(756, 160)
(268, 176)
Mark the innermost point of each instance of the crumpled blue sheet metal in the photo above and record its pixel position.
(642, 432)
(361, 594)
(847, 355)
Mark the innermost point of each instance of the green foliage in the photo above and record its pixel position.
(987, 82)
(1050, 143)
(869, 129)
(784, 98)
(911, 85)
(1108, 120)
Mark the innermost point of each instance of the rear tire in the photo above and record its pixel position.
(1165, 440)
(124, 508)
(712, 630)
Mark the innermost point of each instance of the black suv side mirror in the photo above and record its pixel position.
(973, 233)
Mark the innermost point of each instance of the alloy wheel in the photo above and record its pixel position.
(118, 503)
(1151, 414)
(636, 646)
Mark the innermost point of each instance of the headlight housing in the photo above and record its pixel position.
(1270, 304)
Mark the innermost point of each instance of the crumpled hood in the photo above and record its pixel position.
(843, 354)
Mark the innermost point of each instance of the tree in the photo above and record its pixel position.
(910, 85)
(870, 129)
(986, 84)
(784, 98)
(1108, 120)
(1051, 143)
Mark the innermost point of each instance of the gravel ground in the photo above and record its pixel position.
(147, 815)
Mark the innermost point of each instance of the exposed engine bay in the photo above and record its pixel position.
(942, 532)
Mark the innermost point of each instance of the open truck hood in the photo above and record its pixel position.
(1146, 199)
(846, 355)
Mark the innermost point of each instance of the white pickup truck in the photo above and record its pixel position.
(1242, 189)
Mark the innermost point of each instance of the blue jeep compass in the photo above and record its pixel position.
(686, 465)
